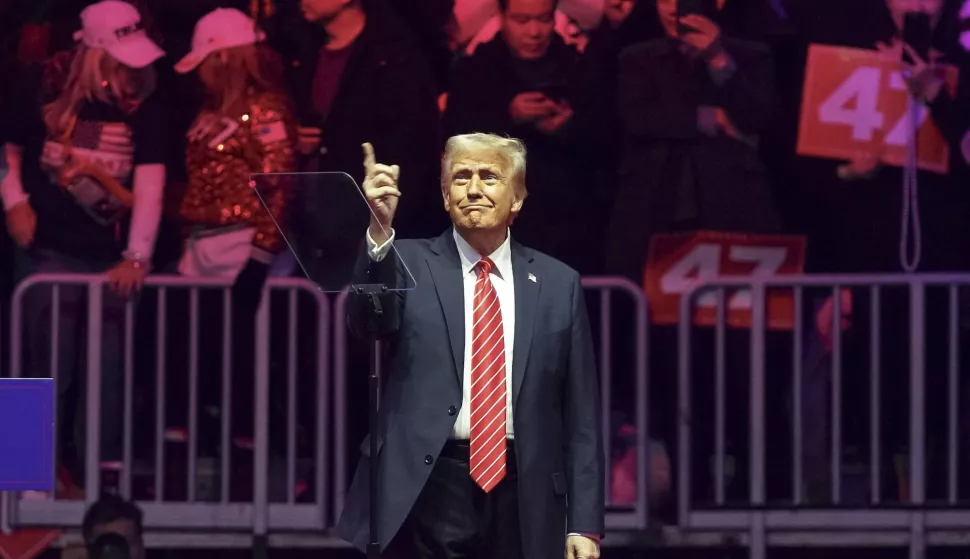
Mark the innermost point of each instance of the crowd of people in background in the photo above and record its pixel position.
(129, 144)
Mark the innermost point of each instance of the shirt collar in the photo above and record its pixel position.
(502, 257)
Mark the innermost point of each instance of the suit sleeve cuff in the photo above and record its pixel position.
(377, 253)
(594, 537)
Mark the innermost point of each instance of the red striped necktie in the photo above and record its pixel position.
(488, 415)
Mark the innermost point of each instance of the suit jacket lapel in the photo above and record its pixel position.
(445, 269)
(526, 300)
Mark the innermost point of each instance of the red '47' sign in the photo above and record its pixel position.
(677, 263)
(855, 102)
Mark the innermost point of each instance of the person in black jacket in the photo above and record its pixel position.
(358, 75)
(693, 107)
(528, 83)
(355, 75)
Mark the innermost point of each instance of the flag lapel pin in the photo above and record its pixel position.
(532, 278)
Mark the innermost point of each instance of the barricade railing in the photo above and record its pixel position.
(921, 317)
(619, 517)
(268, 508)
(270, 512)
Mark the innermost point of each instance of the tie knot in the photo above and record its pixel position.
(485, 267)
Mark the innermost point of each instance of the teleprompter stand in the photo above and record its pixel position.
(373, 292)
(317, 222)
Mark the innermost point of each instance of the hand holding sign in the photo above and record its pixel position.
(924, 80)
(856, 102)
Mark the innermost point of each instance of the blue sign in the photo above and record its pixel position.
(27, 434)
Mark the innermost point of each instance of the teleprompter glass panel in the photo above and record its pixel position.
(323, 219)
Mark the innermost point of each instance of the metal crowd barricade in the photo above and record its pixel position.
(258, 517)
(617, 518)
(913, 520)
(262, 516)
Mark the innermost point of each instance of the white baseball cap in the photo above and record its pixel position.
(115, 26)
(220, 29)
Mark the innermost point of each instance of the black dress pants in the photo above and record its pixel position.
(454, 519)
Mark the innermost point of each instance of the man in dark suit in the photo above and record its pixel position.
(489, 441)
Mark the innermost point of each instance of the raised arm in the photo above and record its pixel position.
(374, 268)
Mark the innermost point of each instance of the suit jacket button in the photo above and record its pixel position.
(452, 410)
(428, 459)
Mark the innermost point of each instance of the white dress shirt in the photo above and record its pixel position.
(502, 281)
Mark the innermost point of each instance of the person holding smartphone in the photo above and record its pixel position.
(693, 104)
(528, 83)
(360, 75)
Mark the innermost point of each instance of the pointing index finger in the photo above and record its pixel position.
(369, 160)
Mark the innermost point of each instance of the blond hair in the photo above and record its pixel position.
(229, 74)
(97, 76)
(511, 149)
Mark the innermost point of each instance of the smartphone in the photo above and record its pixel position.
(918, 34)
(706, 8)
(557, 91)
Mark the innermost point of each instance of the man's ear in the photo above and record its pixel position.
(446, 199)
(519, 200)
(515, 209)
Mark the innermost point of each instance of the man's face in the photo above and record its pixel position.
(126, 529)
(321, 10)
(479, 193)
(898, 9)
(528, 26)
(667, 10)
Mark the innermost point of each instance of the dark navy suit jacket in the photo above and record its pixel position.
(556, 412)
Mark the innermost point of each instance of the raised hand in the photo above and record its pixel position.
(381, 192)
(704, 36)
(924, 80)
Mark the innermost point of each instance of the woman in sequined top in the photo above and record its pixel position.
(245, 127)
